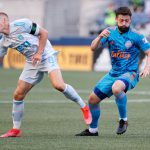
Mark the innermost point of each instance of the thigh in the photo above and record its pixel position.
(31, 74)
(56, 78)
(103, 88)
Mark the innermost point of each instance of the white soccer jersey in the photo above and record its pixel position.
(24, 37)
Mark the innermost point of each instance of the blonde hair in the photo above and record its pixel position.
(2, 14)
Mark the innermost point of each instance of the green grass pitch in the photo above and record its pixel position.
(51, 121)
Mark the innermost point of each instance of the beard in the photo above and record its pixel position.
(123, 29)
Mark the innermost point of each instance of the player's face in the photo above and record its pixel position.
(1, 26)
(4, 26)
(123, 22)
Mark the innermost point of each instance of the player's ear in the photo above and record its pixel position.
(5, 18)
(130, 19)
(116, 18)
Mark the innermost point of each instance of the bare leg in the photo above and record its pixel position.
(70, 93)
(58, 83)
(18, 108)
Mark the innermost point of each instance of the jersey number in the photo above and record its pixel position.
(23, 46)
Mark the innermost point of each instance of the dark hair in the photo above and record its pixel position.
(3, 14)
(123, 11)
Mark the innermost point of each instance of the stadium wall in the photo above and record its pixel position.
(32, 9)
(70, 18)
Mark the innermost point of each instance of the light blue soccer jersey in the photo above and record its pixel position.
(124, 50)
(24, 37)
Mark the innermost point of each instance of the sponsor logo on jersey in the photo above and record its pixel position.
(120, 54)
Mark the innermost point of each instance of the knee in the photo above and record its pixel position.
(59, 87)
(116, 89)
(93, 100)
(18, 95)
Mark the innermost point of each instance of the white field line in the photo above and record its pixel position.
(80, 91)
(56, 101)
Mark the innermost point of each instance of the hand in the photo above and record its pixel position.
(144, 73)
(36, 59)
(104, 33)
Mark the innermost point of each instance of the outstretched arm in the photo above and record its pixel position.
(146, 70)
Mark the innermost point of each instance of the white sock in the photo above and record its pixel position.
(17, 113)
(93, 130)
(125, 119)
(70, 93)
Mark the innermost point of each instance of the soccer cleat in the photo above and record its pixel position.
(86, 132)
(122, 126)
(87, 115)
(12, 133)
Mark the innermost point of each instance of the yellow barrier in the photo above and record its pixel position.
(75, 58)
(69, 58)
(14, 59)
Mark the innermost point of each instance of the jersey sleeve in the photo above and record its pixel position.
(28, 26)
(143, 44)
(103, 41)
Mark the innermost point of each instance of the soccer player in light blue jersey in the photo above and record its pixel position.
(124, 44)
(31, 40)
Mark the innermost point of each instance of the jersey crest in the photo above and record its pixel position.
(128, 44)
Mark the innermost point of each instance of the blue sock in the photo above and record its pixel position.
(121, 101)
(95, 111)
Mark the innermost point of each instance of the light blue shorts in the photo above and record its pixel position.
(34, 74)
(103, 88)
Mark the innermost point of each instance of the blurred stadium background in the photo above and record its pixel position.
(72, 25)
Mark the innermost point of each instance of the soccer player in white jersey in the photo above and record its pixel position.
(32, 41)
